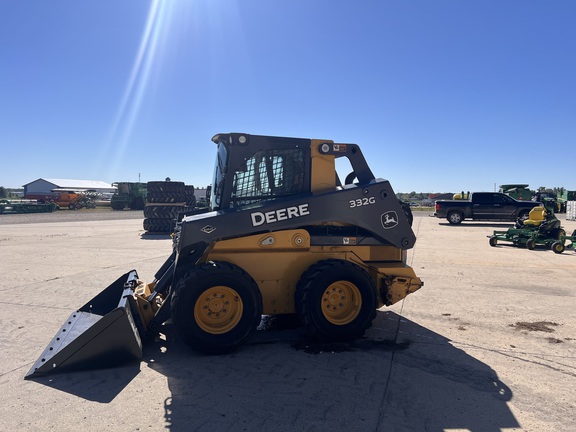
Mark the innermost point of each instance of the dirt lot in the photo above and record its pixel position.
(84, 215)
(488, 344)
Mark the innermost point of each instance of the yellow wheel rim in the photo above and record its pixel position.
(218, 310)
(341, 302)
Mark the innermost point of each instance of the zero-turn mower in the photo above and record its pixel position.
(542, 228)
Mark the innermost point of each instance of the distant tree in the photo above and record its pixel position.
(3, 192)
(559, 190)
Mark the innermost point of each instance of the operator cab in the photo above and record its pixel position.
(250, 169)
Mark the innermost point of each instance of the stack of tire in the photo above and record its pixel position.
(165, 201)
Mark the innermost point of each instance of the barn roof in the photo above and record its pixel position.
(75, 184)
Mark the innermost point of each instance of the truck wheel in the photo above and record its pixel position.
(216, 307)
(454, 218)
(493, 241)
(71, 206)
(336, 300)
(558, 247)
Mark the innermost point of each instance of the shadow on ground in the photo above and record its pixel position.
(501, 225)
(400, 377)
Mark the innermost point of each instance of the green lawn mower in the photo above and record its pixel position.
(542, 228)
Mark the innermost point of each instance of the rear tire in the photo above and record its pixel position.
(216, 307)
(336, 300)
(455, 218)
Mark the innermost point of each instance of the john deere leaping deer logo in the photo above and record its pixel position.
(389, 219)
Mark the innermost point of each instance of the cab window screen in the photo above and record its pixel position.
(269, 174)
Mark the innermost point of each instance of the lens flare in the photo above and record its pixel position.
(136, 87)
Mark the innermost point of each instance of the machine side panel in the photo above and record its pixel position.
(373, 207)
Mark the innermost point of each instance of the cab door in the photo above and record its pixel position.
(483, 205)
(504, 207)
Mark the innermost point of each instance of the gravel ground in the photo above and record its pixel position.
(97, 214)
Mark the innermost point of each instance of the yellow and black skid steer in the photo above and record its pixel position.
(283, 235)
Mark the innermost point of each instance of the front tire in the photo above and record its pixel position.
(558, 247)
(216, 307)
(336, 300)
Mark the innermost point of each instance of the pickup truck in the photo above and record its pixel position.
(485, 206)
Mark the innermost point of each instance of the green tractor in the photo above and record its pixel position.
(517, 191)
(129, 195)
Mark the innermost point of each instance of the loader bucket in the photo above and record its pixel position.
(102, 333)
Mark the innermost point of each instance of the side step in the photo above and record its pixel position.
(102, 333)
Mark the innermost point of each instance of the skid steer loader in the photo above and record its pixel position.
(283, 235)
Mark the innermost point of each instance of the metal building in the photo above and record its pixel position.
(47, 186)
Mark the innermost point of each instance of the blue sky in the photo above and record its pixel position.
(442, 95)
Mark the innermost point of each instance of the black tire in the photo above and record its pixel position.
(165, 186)
(493, 241)
(336, 300)
(530, 244)
(165, 212)
(158, 225)
(558, 247)
(117, 205)
(216, 307)
(72, 207)
(166, 197)
(455, 217)
(137, 203)
(190, 197)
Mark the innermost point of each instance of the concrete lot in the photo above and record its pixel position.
(488, 344)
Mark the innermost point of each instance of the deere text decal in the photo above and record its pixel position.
(259, 218)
